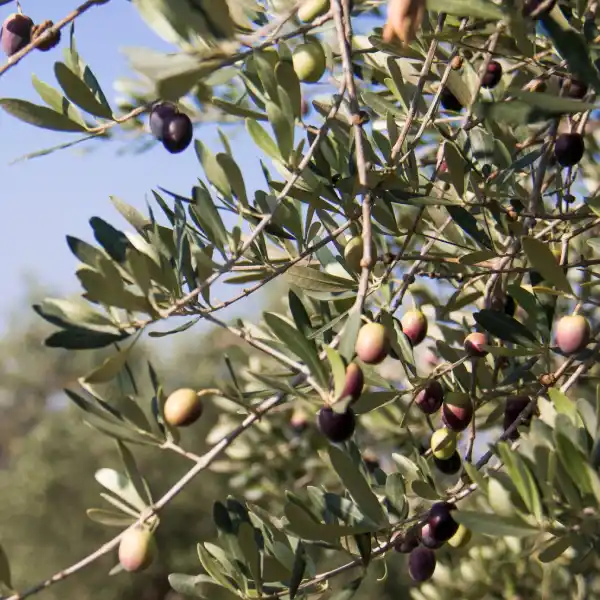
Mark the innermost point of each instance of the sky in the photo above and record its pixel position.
(47, 198)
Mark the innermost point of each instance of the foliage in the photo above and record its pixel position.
(470, 213)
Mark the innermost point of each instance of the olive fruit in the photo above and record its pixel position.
(16, 33)
(569, 149)
(450, 101)
(443, 443)
(372, 343)
(298, 422)
(414, 326)
(531, 8)
(405, 542)
(457, 413)
(421, 564)
(514, 407)
(312, 9)
(572, 334)
(158, 116)
(493, 74)
(336, 427)
(177, 133)
(474, 344)
(309, 61)
(430, 398)
(450, 466)
(353, 253)
(461, 538)
(183, 407)
(355, 381)
(427, 538)
(441, 524)
(137, 549)
(573, 88)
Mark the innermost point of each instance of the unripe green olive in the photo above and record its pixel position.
(461, 538)
(311, 9)
(372, 343)
(353, 253)
(309, 61)
(137, 549)
(183, 407)
(443, 443)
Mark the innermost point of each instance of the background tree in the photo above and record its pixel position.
(426, 381)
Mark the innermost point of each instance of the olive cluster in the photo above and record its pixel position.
(420, 542)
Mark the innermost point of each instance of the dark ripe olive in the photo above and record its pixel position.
(336, 427)
(421, 564)
(569, 149)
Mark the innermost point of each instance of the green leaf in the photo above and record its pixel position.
(78, 338)
(110, 518)
(347, 591)
(262, 140)
(56, 101)
(493, 525)
(369, 401)
(395, 492)
(250, 551)
(298, 344)
(212, 169)
(111, 366)
(574, 463)
(338, 370)
(555, 549)
(120, 486)
(133, 216)
(563, 404)
(523, 480)
(39, 116)
(478, 9)
(551, 103)
(541, 258)
(302, 525)
(78, 92)
(505, 327)
(298, 570)
(307, 278)
(208, 216)
(357, 486)
(237, 110)
(213, 567)
(571, 46)
(200, 586)
(283, 129)
(349, 335)
(135, 477)
(468, 223)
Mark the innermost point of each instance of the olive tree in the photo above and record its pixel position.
(427, 385)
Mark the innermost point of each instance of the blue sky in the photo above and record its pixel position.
(49, 197)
